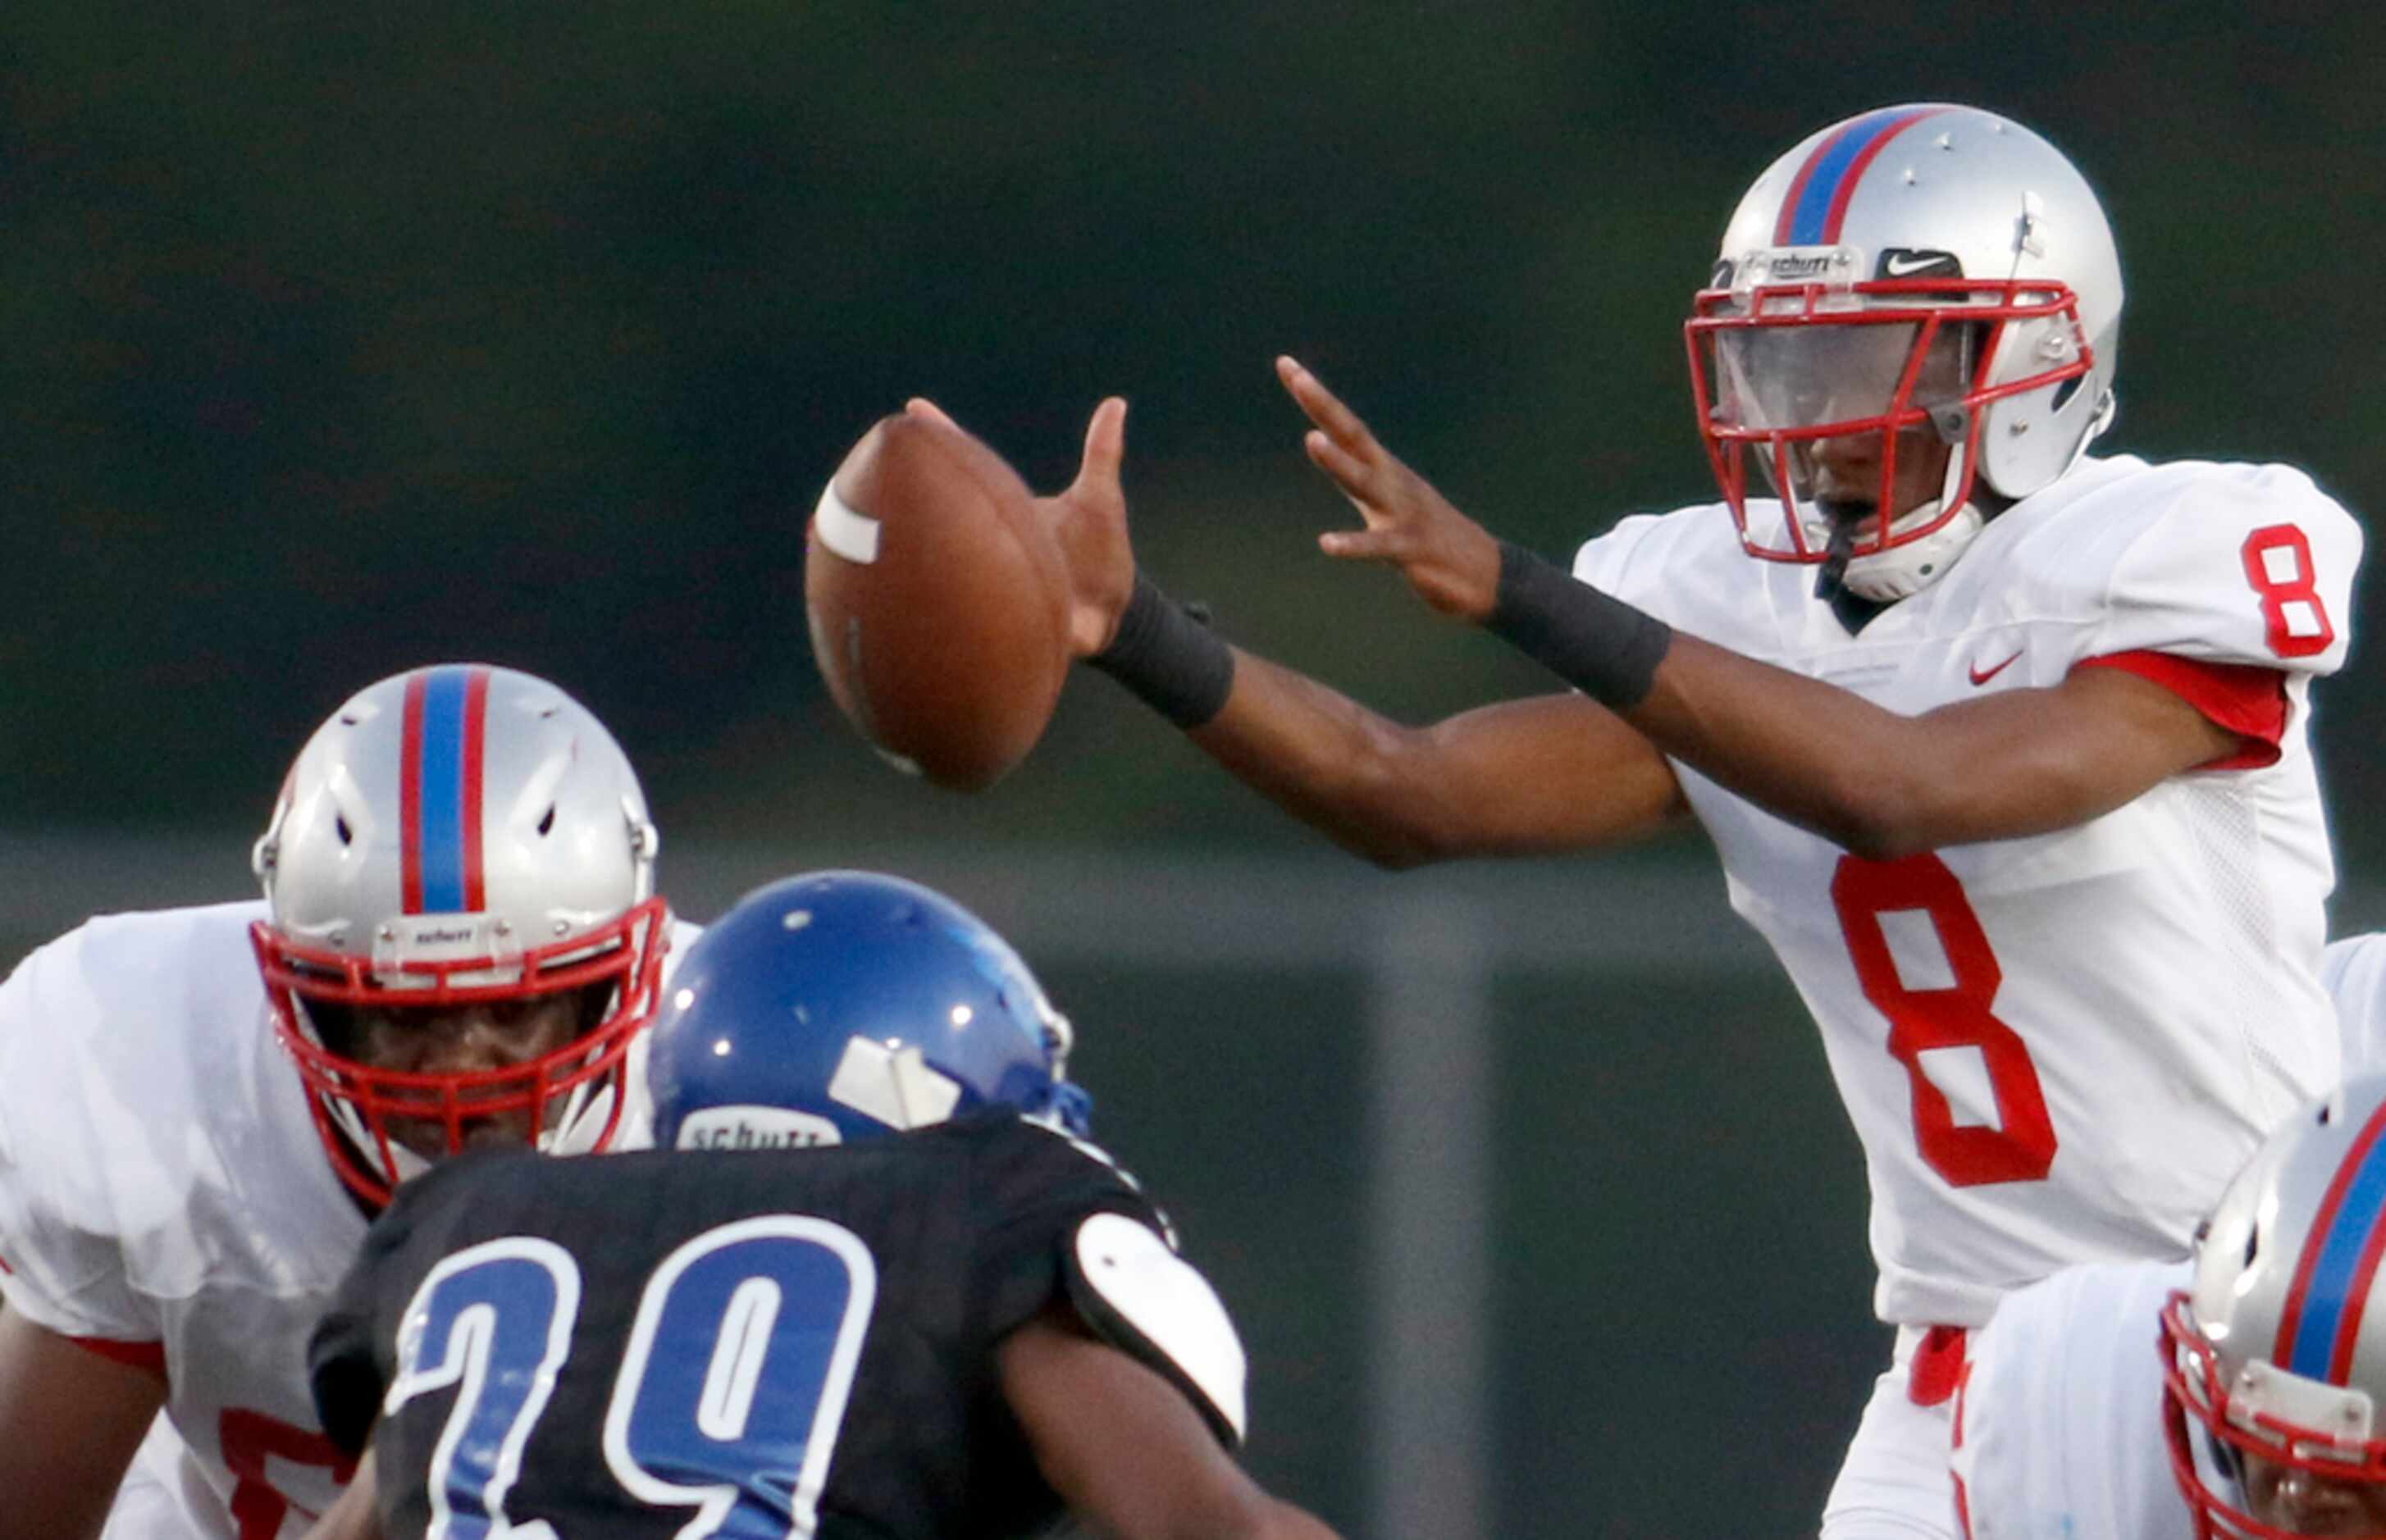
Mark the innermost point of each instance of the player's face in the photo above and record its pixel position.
(490, 1035)
(2305, 1502)
(1850, 376)
(1842, 477)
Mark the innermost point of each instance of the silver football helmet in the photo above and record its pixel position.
(457, 836)
(2277, 1353)
(1926, 276)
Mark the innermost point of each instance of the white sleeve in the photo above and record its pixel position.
(2247, 565)
(1605, 561)
(2353, 972)
(61, 1260)
(2057, 1430)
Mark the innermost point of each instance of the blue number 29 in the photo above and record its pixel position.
(695, 1421)
(731, 1392)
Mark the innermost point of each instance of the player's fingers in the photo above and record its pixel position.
(1356, 477)
(1098, 468)
(1324, 406)
(1106, 438)
(921, 406)
(1357, 545)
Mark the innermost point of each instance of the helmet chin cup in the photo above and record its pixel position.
(1906, 568)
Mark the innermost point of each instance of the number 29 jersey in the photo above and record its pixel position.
(2053, 1049)
(764, 1341)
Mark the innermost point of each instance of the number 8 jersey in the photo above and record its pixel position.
(747, 1342)
(2053, 1049)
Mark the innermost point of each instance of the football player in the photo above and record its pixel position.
(875, 1283)
(2003, 745)
(2059, 1421)
(201, 1108)
(2257, 1418)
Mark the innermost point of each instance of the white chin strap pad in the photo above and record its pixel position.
(1904, 570)
(1150, 1303)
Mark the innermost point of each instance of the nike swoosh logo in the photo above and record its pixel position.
(1898, 267)
(1981, 676)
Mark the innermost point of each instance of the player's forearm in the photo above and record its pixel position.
(70, 1423)
(1876, 783)
(1359, 778)
(1389, 793)
(1882, 785)
(1826, 759)
(1809, 752)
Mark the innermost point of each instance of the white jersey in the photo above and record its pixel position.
(2058, 1426)
(2354, 971)
(2055, 1050)
(2057, 1429)
(164, 1198)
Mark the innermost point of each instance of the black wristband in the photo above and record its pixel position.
(1593, 641)
(1166, 654)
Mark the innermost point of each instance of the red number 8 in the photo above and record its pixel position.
(2300, 590)
(2021, 1147)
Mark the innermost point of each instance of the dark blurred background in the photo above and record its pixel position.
(338, 339)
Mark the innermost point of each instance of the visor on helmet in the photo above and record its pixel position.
(1856, 376)
(1775, 370)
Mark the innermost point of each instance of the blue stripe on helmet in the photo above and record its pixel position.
(443, 790)
(1813, 215)
(2326, 1296)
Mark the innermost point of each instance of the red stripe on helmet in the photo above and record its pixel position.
(476, 721)
(409, 798)
(1855, 173)
(2356, 1299)
(2316, 1240)
(1787, 219)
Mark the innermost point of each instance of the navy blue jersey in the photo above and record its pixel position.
(617, 1344)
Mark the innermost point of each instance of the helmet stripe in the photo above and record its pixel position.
(2340, 1257)
(476, 724)
(1817, 202)
(447, 712)
(410, 798)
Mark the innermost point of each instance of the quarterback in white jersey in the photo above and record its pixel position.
(2049, 1089)
(2059, 1427)
(200, 1108)
(2002, 748)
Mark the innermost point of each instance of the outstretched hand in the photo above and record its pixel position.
(1451, 561)
(1088, 519)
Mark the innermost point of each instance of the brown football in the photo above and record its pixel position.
(938, 603)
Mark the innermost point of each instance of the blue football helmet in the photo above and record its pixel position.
(836, 1005)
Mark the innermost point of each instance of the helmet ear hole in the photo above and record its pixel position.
(547, 820)
(340, 828)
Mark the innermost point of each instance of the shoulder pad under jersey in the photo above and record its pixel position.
(1150, 1303)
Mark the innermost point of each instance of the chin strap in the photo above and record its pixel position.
(1904, 570)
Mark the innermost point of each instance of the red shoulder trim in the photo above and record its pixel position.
(150, 1356)
(2245, 699)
